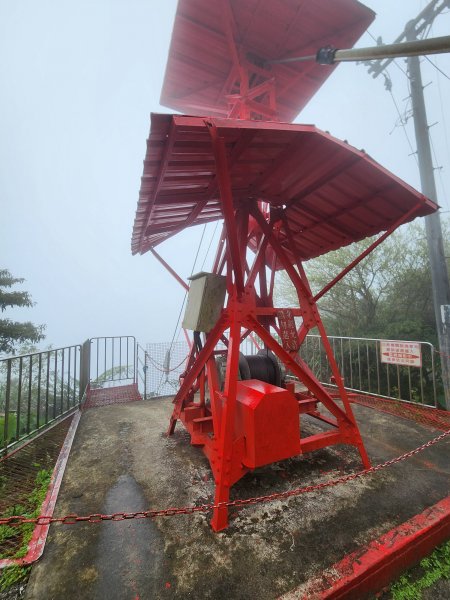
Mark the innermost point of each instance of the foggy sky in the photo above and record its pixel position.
(78, 83)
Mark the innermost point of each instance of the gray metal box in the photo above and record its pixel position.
(205, 301)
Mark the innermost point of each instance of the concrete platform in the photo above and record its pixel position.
(121, 461)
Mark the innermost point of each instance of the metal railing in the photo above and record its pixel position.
(35, 390)
(359, 361)
(39, 388)
(141, 370)
(113, 361)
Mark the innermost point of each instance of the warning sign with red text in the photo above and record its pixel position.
(407, 354)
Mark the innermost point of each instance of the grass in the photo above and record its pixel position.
(24, 533)
(432, 568)
(12, 422)
(11, 575)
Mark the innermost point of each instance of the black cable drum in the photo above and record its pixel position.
(263, 366)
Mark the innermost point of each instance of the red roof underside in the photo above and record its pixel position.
(334, 194)
(200, 61)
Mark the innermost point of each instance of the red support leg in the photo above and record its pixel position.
(354, 434)
(225, 442)
(195, 370)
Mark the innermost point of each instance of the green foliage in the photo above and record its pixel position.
(113, 374)
(11, 575)
(13, 333)
(34, 399)
(432, 568)
(12, 298)
(12, 421)
(387, 295)
(31, 510)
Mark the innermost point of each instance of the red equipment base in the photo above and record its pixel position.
(245, 424)
(286, 192)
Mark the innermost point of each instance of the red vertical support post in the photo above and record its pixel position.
(225, 442)
(236, 225)
(220, 251)
(194, 369)
(213, 388)
(223, 179)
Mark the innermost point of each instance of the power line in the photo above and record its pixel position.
(209, 245)
(185, 293)
(377, 41)
(403, 125)
(437, 68)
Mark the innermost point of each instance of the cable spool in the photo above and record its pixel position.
(263, 366)
(221, 364)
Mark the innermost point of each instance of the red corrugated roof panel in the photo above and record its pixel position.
(333, 194)
(199, 71)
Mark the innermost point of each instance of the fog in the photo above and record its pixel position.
(79, 81)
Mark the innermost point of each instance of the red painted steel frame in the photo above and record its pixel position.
(213, 425)
(282, 173)
(219, 58)
(250, 308)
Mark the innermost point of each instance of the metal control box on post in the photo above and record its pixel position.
(205, 301)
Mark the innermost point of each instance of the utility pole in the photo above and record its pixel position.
(438, 265)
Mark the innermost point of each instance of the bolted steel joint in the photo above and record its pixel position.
(325, 55)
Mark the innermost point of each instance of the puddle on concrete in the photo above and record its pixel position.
(130, 553)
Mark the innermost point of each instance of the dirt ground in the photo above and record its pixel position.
(122, 461)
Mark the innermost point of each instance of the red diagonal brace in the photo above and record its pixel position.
(226, 196)
(300, 369)
(367, 251)
(196, 369)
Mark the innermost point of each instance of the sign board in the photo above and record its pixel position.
(408, 354)
(288, 330)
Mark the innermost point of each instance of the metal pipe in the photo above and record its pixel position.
(38, 406)
(329, 55)
(55, 376)
(61, 395)
(19, 398)
(8, 394)
(47, 384)
(439, 45)
(30, 387)
(68, 378)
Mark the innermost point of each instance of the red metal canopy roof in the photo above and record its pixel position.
(211, 36)
(333, 194)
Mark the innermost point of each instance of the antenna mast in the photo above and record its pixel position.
(438, 265)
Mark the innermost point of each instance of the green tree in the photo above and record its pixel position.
(13, 333)
(386, 295)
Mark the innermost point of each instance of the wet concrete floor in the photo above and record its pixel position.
(122, 461)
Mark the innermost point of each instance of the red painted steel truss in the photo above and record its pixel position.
(245, 424)
(219, 56)
(287, 193)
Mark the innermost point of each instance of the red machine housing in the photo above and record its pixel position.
(286, 192)
(267, 419)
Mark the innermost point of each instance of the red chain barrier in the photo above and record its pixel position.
(71, 519)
